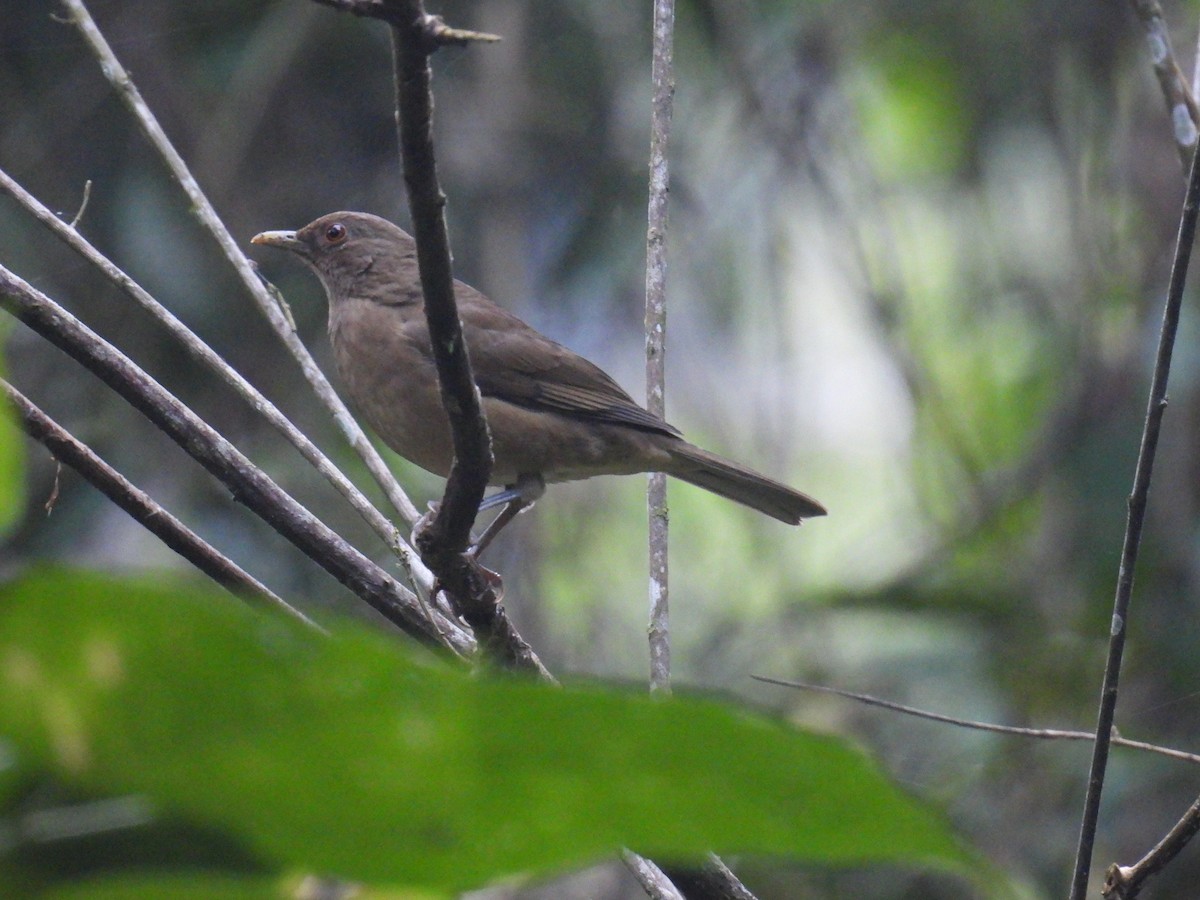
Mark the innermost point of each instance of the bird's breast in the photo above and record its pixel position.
(384, 362)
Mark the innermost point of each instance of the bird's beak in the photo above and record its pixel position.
(285, 240)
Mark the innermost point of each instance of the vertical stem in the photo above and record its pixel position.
(1133, 532)
(656, 333)
(472, 466)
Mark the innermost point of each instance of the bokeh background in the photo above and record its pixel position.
(918, 252)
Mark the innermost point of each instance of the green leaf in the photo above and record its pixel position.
(351, 757)
(205, 886)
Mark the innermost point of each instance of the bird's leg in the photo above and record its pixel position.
(517, 498)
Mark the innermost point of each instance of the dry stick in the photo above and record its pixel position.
(66, 448)
(1133, 531)
(713, 879)
(653, 880)
(206, 355)
(204, 212)
(662, 76)
(1052, 734)
(1181, 104)
(248, 484)
(1126, 882)
(443, 542)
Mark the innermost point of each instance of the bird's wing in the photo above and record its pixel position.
(515, 363)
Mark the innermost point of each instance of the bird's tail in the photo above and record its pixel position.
(742, 485)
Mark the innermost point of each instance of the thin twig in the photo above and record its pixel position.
(1196, 69)
(208, 218)
(1181, 103)
(1126, 882)
(248, 484)
(68, 449)
(83, 204)
(436, 33)
(662, 76)
(200, 351)
(653, 880)
(1053, 734)
(713, 880)
(1133, 530)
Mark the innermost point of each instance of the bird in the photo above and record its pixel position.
(553, 415)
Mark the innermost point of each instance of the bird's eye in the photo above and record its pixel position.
(336, 233)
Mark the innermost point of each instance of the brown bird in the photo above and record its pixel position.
(553, 415)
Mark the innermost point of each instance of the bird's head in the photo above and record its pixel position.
(356, 255)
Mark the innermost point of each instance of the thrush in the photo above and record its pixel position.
(553, 415)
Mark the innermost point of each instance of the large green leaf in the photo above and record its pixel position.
(348, 756)
(198, 885)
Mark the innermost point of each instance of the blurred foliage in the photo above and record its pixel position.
(918, 253)
(12, 461)
(347, 758)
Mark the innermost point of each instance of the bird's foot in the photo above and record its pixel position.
(516, 499)
(472, 553)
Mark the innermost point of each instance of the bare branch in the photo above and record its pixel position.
(1126, 882)
(83, 204)
(714, 879)
(206, 355)
(248, 484)
(203, 210)
(67, 448)
(1053, 734)
(444, 541)
(1143, 471)
(663, 78)
(450, 531)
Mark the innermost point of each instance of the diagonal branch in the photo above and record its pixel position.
(1126, 882)
(206, 355)
(66, 448)
(119, 78)
(248, 484)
